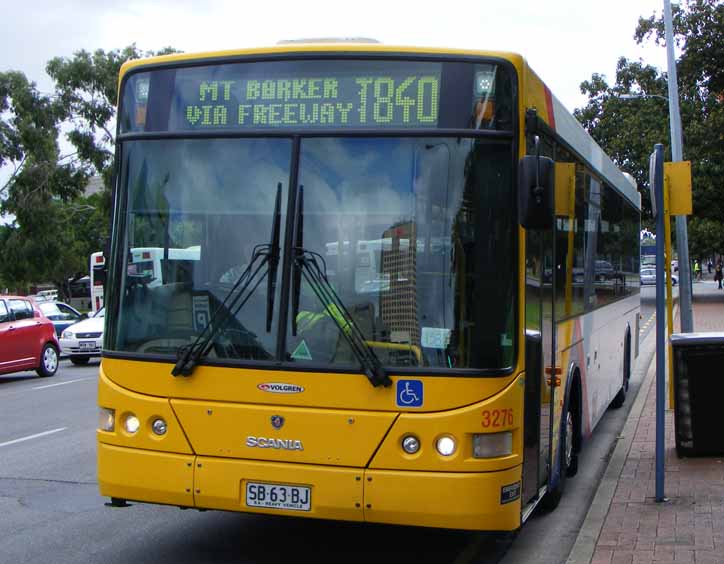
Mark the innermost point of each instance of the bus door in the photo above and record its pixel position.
(539, 296)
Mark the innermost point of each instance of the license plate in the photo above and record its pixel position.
(87, 345)
(278, 496)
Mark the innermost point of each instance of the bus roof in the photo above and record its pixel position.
(574, 134)
(320, 47)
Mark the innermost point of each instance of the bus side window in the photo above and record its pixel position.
(570, 248)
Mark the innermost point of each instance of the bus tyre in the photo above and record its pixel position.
(568, 461)
(48, 361)
(620, 397)
(79, 360)
(571, 456)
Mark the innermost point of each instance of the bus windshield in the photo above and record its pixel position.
(417, 237)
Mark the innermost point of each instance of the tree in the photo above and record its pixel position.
(87, 87)
(55, 227)
(627, 129)
(29, 145)
(699, 33)
(40, 178)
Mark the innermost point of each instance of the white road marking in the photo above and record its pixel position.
(29, 437)
(61, 383)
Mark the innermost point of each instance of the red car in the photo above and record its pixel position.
(27, 338)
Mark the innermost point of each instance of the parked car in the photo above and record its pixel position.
(62, 315)
(27, 338)
(84, 340)
(648, 276)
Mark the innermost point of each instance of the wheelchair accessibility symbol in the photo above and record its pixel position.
(409, 393)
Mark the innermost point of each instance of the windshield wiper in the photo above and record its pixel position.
(296, 270)
(273, 259)
(264, 262)
(313, 268)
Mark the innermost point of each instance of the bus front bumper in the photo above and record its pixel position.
(454, 500)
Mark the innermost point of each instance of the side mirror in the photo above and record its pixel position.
(83, 316)
(536, 183)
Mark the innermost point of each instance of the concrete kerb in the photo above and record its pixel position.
(585, 545)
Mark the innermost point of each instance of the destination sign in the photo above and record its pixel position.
(396, 99)
(331, 93)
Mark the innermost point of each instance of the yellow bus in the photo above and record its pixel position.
(394, 314)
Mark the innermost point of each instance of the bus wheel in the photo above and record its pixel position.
(570, 454)
(620, 397)
(568, 461)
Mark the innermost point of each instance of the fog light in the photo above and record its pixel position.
(131, 423)
(159, 426)
(492, 445)
(106, 419)
(410, 444)
(445, 445)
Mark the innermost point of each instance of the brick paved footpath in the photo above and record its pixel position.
(690, 526)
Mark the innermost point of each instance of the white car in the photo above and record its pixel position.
(648, 276)
(83, 340)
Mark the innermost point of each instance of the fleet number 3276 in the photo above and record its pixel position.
(497, 417)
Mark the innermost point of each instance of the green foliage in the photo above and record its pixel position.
(699, 32)
(628, 129)
(56, 227)
(29, 146)
(64, 235)
(87, 87)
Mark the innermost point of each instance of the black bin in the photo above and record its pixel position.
(699, 393)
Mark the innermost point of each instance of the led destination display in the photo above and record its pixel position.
(315, 94)
(336, 100)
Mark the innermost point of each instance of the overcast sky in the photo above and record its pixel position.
(565, 41)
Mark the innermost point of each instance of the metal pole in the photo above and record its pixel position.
(686, 314)
(661, 269)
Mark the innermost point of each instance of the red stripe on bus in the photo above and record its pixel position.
(549, 108)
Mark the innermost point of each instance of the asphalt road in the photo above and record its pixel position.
(50, 509)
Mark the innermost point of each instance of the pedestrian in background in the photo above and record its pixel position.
(709, 265)
(697, 270)
(718, 273)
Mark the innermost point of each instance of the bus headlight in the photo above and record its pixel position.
(492, 445)
(446, 445)
(159, 426)
(106, 419)
(131, 424)
(410, 444)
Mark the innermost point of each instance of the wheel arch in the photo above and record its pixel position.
(627, 346)
(572, 398)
